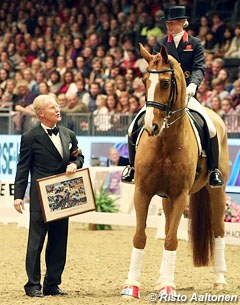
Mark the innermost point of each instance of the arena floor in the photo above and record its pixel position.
(97, 266)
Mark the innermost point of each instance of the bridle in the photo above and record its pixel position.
(168, 108)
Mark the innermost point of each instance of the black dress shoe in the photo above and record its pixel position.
(34, 293)
(215, 178)
(53, 290)
(128, 175)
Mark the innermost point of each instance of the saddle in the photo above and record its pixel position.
(200, 129)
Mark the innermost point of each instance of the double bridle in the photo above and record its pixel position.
(172, 98)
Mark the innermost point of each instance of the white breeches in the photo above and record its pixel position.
(192, 104)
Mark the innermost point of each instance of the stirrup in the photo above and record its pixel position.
(128, 175)
(215, 178)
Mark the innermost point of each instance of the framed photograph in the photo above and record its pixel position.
(63, 196)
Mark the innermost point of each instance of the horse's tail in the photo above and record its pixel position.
(201, 233)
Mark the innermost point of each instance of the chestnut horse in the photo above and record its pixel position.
(166, 160)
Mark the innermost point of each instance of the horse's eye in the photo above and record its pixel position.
(164, 83)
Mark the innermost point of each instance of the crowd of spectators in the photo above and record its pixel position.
(85, 54)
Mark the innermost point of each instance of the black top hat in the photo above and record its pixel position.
(175, 13)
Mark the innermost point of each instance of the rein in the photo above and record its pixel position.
(172, 99)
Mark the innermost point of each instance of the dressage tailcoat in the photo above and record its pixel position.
(189, 54)
(39, 156)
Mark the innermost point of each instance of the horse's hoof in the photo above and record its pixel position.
(130, 291)
(220, 286)
(167, 290)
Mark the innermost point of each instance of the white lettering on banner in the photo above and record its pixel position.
(8, 157)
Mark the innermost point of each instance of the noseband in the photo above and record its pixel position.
(172, 97)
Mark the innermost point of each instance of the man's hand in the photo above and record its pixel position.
(191, 89)
(71, 168)
(19, 205)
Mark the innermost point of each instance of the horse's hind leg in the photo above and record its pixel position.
(132, 284)
(218, 203)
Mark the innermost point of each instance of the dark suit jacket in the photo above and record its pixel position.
(39, 156)
(189, 54)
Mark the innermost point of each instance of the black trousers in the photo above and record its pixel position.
(55, 255)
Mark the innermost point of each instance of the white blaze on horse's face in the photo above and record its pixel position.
(153, 77)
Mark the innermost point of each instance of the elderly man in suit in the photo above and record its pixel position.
(47, 149)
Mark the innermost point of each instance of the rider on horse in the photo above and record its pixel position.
(188, 51)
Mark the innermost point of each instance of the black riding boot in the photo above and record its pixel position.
(215, 178)
(128, 172)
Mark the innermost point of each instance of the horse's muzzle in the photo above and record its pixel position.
(154, 130)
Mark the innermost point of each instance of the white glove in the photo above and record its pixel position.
(191, 89)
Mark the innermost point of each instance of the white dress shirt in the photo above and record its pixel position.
(55, 139)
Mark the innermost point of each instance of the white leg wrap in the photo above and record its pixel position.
(167, 269)
(134, 273)
(195, 105)
(219, 259)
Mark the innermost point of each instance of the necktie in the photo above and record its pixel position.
(54, 130)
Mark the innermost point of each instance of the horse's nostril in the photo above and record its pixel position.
(155, 130)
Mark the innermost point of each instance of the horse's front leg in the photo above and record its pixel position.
(173, 210)
(218, 203)
(132, 284)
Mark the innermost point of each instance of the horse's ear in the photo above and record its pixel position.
(145, 54)
(164, 54)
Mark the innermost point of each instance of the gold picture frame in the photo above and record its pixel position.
(63, 196)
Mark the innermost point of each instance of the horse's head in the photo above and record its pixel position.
(165, 89)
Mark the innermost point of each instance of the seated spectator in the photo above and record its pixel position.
(39, 78)
(112, 104)
(224, 76)
(36, 66)
(28, 76)
(54, 82)
(95, 90)
(4, 76)
(227, 40)
(108, 64)
(97, 70)
(62, 100)
(218, 90)
(204, 93)
(134, 104)
(74, 105)
(139, 90)
(114, 159)
(235, 96)
(124, 102)
(23, 106)
(49, 67)
(216, 65)
(216, 105)
(211, 45)
(68, 79)
(109, 87)
(61, 65)
(82, 93)
(101, 116)
(130, 63)
(121, 84)
(230, 117)
(218, 28)
(9, 92)
(234, 48)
